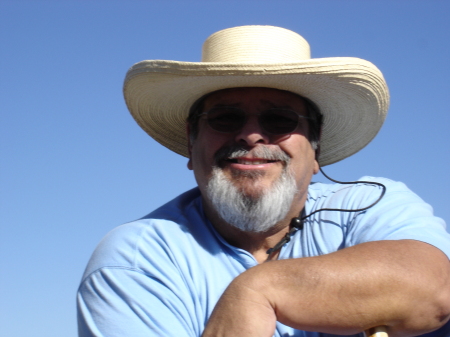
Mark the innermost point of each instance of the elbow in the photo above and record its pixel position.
(441, 298)
(442, 304)
(433, 310)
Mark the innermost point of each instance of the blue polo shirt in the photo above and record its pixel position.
(163, 274)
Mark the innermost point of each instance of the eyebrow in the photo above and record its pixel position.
(263, 101)
(226, 104)
(273, 105)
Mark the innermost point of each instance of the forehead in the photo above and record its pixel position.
(256, 96)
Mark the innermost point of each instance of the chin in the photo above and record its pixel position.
(252, 189)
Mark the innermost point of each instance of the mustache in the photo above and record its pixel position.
(260, 151)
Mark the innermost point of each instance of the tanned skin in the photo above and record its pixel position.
(404, 285)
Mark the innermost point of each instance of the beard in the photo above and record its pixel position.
(251, 213)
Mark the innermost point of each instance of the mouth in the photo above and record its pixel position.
(247, 161)
(260, 157)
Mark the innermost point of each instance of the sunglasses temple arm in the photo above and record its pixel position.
(379, 331)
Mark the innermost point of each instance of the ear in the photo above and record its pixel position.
(316, 159)
(188, 133)
(316, 166)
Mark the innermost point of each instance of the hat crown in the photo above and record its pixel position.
(255, 44)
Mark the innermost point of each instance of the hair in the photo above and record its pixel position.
(247, 213)
(315, 119)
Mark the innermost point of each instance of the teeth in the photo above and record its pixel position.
(252, 162)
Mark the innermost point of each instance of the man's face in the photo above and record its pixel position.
(249, 173)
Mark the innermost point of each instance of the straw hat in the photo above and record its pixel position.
(351, 93)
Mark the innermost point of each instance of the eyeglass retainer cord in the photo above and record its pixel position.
(297, 223)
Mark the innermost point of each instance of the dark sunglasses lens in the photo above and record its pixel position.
(279, 121)
(226, 119)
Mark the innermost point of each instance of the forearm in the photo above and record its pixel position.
(400, 284)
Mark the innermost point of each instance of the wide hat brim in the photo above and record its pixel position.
(351, 94)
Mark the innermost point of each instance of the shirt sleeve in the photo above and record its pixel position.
(400, 214)
(125, 302)
(138, 282)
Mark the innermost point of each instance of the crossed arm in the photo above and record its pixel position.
(404, 285)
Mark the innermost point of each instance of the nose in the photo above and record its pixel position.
(252, 133)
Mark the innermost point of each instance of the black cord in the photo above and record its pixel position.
(297, 223)
(347, 183)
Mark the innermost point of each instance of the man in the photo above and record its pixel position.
(341, 258)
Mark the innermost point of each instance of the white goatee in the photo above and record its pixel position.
(249, 213)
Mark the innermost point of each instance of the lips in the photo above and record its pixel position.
(245, 161)
(259, 155)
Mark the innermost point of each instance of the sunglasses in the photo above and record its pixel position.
(275, 121)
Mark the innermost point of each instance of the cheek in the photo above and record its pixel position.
(202, 154)
(304, 157)
(208, 143)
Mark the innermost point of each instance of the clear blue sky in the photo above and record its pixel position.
(74, 164)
